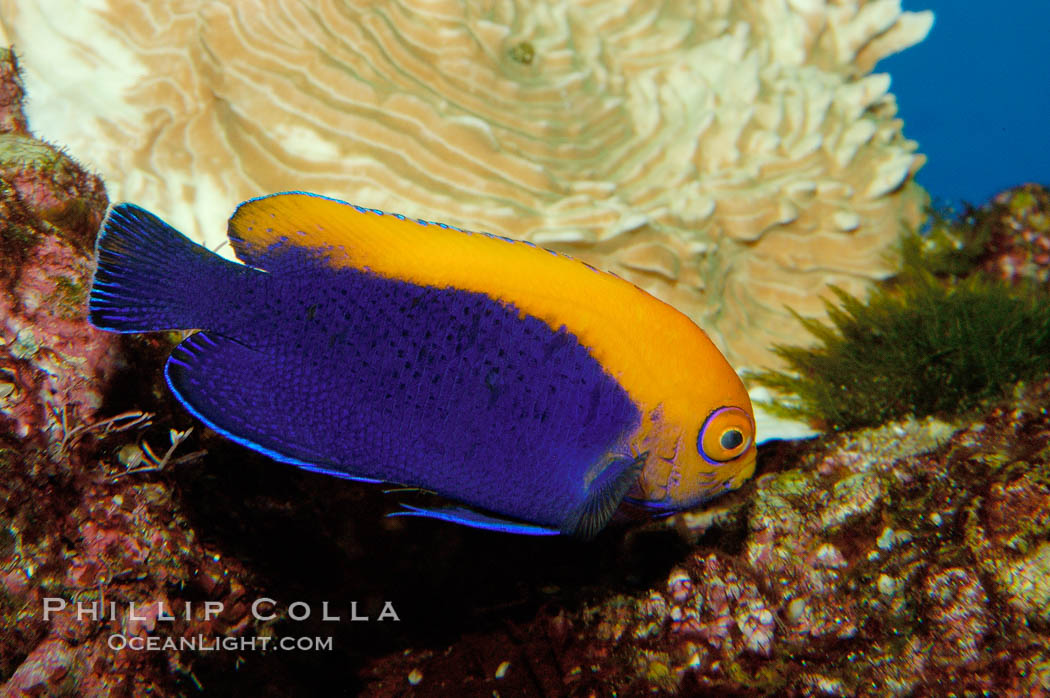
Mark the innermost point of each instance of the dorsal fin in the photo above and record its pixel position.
(350, 234)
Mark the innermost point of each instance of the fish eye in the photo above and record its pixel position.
(731, 438)
(726, 434)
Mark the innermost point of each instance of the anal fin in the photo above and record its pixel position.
(335, 473)
(242, 394)
(475, 519)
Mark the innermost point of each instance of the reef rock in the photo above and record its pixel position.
(54, 363)
(1017, 224)
(75, 527)
(729, 157)
(909, 559)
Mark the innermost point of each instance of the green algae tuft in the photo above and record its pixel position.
(920, 347)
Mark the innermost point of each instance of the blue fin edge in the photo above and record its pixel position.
(474, 519)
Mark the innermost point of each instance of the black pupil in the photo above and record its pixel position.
(731, 438)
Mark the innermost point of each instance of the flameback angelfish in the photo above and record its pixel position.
(531, 387)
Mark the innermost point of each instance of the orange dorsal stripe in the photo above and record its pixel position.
(647, 345)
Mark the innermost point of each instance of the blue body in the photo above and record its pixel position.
(362, 376)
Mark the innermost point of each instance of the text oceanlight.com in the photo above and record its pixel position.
(154, 643)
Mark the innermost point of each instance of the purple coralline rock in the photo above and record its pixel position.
(73, 529)
(958, 613)
(54, 364)
(1018, 222)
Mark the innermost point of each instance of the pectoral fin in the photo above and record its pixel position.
(606, 493)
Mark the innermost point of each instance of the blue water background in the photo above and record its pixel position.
(976, 96)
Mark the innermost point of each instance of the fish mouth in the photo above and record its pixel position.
(712, 487)
(747, 471)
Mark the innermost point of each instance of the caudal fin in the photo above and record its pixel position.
(152, 277)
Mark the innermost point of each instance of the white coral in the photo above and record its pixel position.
(730, 157)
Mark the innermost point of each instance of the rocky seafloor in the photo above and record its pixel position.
(908, 559)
